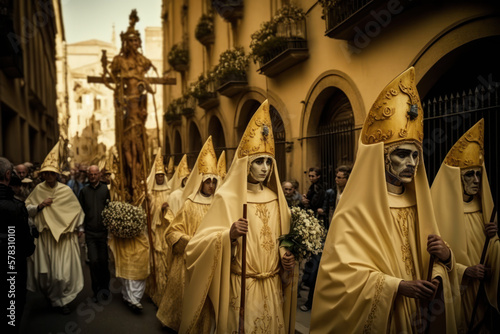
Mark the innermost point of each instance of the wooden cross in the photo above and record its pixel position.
(157, 81)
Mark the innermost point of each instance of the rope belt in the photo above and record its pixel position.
(261, 276)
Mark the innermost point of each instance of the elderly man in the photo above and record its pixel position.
(16, 244)
(93, 198)
(292, 196)
(372, 276)
(56, 269)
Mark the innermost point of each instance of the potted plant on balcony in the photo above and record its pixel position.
(178, 57)
(204, 91)
(229, 10)
(231, 71)
(281, 42)
(204, 31)
(188, 105)
(173, 111)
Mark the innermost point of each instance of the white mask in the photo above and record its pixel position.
(471, 178)
(259, 169)
(403, 162)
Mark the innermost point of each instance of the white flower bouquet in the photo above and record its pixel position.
(307, 235)
(124, 220)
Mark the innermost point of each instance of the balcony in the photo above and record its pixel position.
(209, 101)
(232, 85)
(289, 49)
(350, 17)
(229, 10)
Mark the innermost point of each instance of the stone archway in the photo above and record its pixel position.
(217, 132)
(177, 147)
(195, 143)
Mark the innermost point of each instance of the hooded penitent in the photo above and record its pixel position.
(213, 262)
(184, 226)
(462, 223)
(377, 239)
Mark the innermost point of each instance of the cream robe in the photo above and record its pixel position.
(175, 200)
(184, 226)
(156, 283)
(55, 267)
(210, 254)
(363, 264)
(462, 226)
(264, 291)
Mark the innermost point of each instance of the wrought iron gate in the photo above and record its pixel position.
(447, 118)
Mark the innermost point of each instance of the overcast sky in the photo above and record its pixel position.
(93, 19)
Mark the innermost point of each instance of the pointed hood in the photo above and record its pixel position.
(468, 151)
(51, 162)
(181, 172)
(204, 168)
(221, 166)
(396, 115)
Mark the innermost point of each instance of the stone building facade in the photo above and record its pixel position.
(322, 81)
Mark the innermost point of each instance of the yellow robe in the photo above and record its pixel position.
(155, 285)
(55, 267)
(212, 260)
(264, 290)
(184, 226)
(371, 246)
(462, 226)
(473, 218)
(131, 256)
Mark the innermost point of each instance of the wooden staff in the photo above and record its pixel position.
(241, 329)
(483, 257)
(429, 279)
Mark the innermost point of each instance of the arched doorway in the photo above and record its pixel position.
(217, 132)
(195, 143)
(249, 108)
(456, 92)
(334, 140)
(177, 148)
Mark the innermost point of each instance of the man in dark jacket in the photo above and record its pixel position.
(313, 200)
(16, 243)
(93, 199)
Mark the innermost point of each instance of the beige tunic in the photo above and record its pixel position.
(264, 292)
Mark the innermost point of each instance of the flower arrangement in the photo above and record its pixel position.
(205, 27)
(178, 55)
(124, 220)
(232, 65)
(205, 86)
(267, 39)
(307, 234)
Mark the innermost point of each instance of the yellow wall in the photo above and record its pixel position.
(419, 37)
